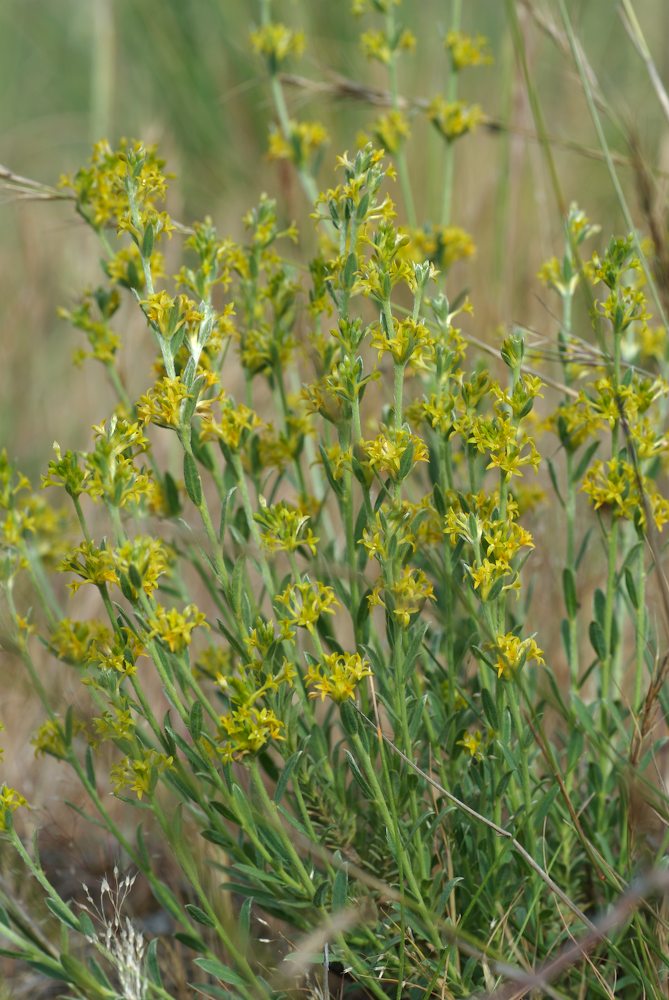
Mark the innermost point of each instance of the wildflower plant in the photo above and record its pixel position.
(315, 649)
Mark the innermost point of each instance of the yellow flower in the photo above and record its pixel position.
(94, 565)
(393, 450)
(174, 627)
(277, 42)
(453, 119)
(467, 50)
(512, 653)
(233, 425)
(471, 741)
(336, 676)
(140, 774)
(284, 527)
(407, 595)
(247, 730)
(10, 801)
(305, 603)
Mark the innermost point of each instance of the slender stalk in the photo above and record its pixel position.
(640, 638)
(449, 155)
(400, 154)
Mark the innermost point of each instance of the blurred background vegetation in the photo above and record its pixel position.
(183, 75)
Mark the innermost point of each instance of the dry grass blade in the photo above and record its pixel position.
(633, 28)
(301, 958)
(655, 881)
(339, 87)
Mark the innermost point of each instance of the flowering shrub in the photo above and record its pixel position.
(334, 591)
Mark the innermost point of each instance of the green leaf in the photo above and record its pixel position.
(148, 241)
(584, 462)
(191, 941)
(349, 718)
(63, 912)
(199, 915)
(171, 496)
(569, 591)
(195, 721)
(192, 480)
(406, 463)
(152, 964)
(631, 588)
(90, 766)
(50, 970)
(554, 481)
(489, 708)
(357, 774)
(545, 806)
(583, 548)
(340, 889)
(237, 587)
(86, 925)
(78, 974)
(221, 972)
(286, 775)
(350, 269)
(244, 921)
(243, 808)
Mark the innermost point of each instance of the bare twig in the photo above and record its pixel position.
(27, 189)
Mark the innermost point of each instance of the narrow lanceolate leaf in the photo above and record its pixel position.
(223, 973)
(63, 912)
(598, 640)
(569, 590)
(192, 480)
(195, 720)
(199, 915)
(285, 776)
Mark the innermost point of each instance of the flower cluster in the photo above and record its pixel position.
(140, 774)
(467, 50)
(284, 527)
(405, 596)
(10, 801)
(336, 676)
(511, 653)
(246, 731)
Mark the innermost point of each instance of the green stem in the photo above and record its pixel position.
(405, 869)
(640, 628)
(400, 153)
(449, 156)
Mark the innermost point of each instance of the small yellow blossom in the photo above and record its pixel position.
(336, 676)
(174, 627)
(453, 119)
(512, 653)
(284, 527)
(50, 738)
(247, 731)
(95, 565)
(233, 425)
(405, 596)
(304, 603)
(472, 741)
(10, 801)
(467, 50)
(303, 142)
(277, 42)
(141, 774)
(395, 452)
